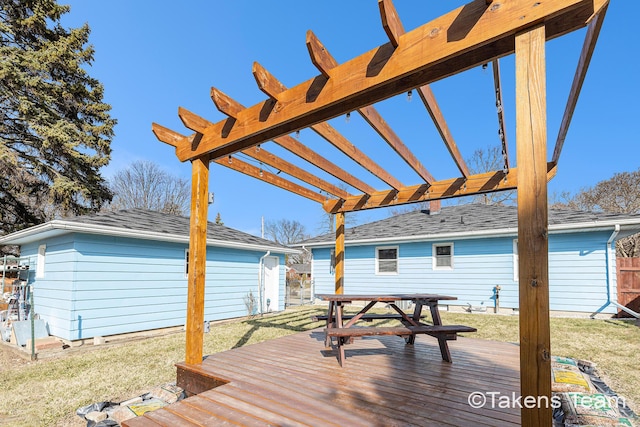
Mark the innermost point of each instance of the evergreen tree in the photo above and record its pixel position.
(55, 131)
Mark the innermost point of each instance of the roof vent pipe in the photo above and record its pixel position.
(434, 206)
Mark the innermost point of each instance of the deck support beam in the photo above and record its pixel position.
(197, 259)
(531, 134)
(339, 271)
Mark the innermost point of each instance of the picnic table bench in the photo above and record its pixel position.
(340, 327)
(369, 317)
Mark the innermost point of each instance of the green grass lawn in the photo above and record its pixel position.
(48, 392)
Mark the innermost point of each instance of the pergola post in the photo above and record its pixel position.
(531, 146)
(197, 259)
(339, 270)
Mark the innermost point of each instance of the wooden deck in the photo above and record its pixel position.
(295, 381)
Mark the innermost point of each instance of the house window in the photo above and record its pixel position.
(186, 263)
(40, 261)
(516, 261)
(442, 256)
(387, 260)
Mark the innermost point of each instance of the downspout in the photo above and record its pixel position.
(261, 280)
(613, 297)
(312, 281)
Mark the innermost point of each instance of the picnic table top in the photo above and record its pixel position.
(384, 297)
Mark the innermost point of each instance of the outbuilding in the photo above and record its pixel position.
(126, 271)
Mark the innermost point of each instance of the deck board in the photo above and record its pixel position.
(296, 381)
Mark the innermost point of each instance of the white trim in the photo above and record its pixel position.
(41, 260)
(387, 273)
(434, 257)
(633, 225)
(516, 261)
(59, 227)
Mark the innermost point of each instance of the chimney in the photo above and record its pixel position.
(434, 207)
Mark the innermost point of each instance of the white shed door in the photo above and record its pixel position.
(271, 283)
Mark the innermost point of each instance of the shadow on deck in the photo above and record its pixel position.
(295, 381)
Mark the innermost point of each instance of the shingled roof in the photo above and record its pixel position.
(472, 220)
(145, 224)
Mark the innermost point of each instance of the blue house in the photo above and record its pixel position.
(471, 252)
(126, 271)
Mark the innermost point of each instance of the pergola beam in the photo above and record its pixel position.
(449, 188)
(588, 47)
(227, 105)
(394, 29)
(324, 61)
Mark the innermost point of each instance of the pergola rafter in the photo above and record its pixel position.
(171, 137)
(478, 33)
(230, 107)
(593, 31)
(274, 88)
(200, 124)
(323, 60)
(393, 27)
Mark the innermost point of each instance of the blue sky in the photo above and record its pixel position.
(154, 56)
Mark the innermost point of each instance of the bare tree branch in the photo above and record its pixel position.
(144, 185)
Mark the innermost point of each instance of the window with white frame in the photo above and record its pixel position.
(387, 260)
(42, 249)
(516, 261)
(442, 256)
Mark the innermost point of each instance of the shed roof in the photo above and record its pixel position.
(141, 224)
(473, 220)
(301, 268)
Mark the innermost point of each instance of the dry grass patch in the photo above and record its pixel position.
(48, 392)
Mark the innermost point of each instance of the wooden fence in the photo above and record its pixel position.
(628, 278)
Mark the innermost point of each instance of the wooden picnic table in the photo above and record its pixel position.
(339, 327)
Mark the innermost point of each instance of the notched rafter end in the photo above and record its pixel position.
(166, 135)
(320, 56)
(267, 83)
(193, 121)
(391, 21)
(225, 104)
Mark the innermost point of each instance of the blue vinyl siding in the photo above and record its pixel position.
(577, 271)
(53, 294)
(101, 285)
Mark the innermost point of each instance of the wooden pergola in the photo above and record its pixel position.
(478, 33)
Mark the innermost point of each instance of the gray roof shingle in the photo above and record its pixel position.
(466, 218)
(158, 222)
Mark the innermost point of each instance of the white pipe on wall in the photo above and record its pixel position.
(261, 280)
(613, 297)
